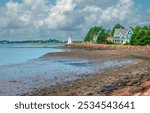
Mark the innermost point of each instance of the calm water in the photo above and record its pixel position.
(19, 73)
(19, 53)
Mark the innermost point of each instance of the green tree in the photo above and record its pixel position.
(133, 40)
(101, 33)
(93, 31)
(117, 26)
(102, 36)
(141, 36)
(137, 29)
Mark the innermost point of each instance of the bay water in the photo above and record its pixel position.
(19, 53)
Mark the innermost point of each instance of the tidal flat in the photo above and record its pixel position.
(76, 71)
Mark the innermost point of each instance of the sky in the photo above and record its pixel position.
(56, 19)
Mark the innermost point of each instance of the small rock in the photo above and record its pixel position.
(147, 93)
(138, 94)
(135, 80)
(89, 93)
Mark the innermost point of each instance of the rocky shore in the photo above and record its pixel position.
(91, 46)
(130, 80)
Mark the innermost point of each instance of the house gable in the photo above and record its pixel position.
(129, 34)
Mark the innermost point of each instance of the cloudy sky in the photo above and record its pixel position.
(44, 19)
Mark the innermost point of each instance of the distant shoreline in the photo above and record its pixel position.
(30, 41)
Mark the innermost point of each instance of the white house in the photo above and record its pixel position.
(95, 38)
(122, 36)
(69, 40)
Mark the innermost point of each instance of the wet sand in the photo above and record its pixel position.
(132, 79)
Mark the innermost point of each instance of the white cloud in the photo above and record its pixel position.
(57, 18)
(39, 17)
(25, 18)
(148, 11)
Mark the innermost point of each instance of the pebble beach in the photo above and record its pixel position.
(132, 79)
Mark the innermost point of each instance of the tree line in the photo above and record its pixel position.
(141, 35)
(31, 41)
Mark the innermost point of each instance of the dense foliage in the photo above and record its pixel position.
(102, 36)
(100, 32)
(93, 31)
(141, 36)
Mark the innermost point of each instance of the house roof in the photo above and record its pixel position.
(120, 32)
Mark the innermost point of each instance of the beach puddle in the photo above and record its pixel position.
(79, 64)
